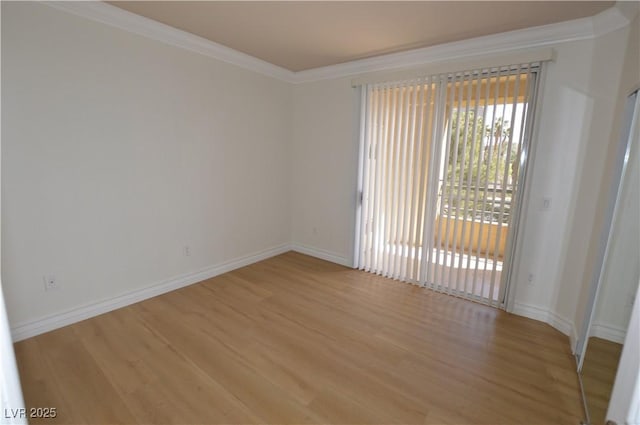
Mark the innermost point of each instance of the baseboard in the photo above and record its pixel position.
(555, 320)
(608, 332)
(531, 312)
(322, 254)
(565, 326)
(28, 329)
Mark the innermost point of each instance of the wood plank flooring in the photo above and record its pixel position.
(294, 339)
(598, 375)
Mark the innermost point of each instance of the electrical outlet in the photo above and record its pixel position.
(50, 283)
(187, 251)
(530, 279)
(546, 203)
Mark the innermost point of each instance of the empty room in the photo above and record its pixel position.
(303, 212)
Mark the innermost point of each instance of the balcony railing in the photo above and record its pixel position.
(476, 217)
(489, 204)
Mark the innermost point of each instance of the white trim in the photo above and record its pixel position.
(508, 42)
(482, 61)
(558, 322)
(565, 326)
(322, 254)
(531, 312)
(120, 18)
(525, 200)
(608, 332)
(614, 18)
(31, 328)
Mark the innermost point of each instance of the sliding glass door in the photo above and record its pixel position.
(442, 161)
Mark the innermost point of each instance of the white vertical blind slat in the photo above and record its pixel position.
(393, 179)
(432, 198)
(379, 206)
(405, 186)
(372, 179)
(399, 199)
(395, 189)
(385, 181)
(451, 181)
(457, 255)
(373, 200)
(486, 183)
(441, 260)
(505, 177)
(477, 286)
(493, 247)
(389, 158)
(410, 170)
(364, 212)
(473, 161)
(433, 186)
(422, 171)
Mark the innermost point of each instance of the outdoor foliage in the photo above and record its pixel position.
(477, 164)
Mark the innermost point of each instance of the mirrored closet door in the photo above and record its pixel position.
(614, 290)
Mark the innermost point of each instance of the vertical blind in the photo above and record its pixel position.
(441, 161)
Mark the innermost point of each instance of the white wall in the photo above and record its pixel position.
(324, 168)
(579, 94)
(119, 150)
(565, 110)
(10, 388)
(624, 405)
(579, 98)
(610, 321)
(615, 302)
(622, 266)
(606, 69)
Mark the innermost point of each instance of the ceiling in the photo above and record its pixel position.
(301, 35)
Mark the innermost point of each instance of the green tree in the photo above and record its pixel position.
(477, 157)
(463, 157)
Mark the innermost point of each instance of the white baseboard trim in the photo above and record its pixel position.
(322, 254)
(565, 326)
(31, 328)
(558, 322)
(608, 332)
(530, 311)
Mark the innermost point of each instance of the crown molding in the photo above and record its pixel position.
(605, 22)
(120, 18)
(506, 42)
(614, 18)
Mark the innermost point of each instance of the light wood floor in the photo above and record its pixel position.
(298, 340)
(598, 375)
